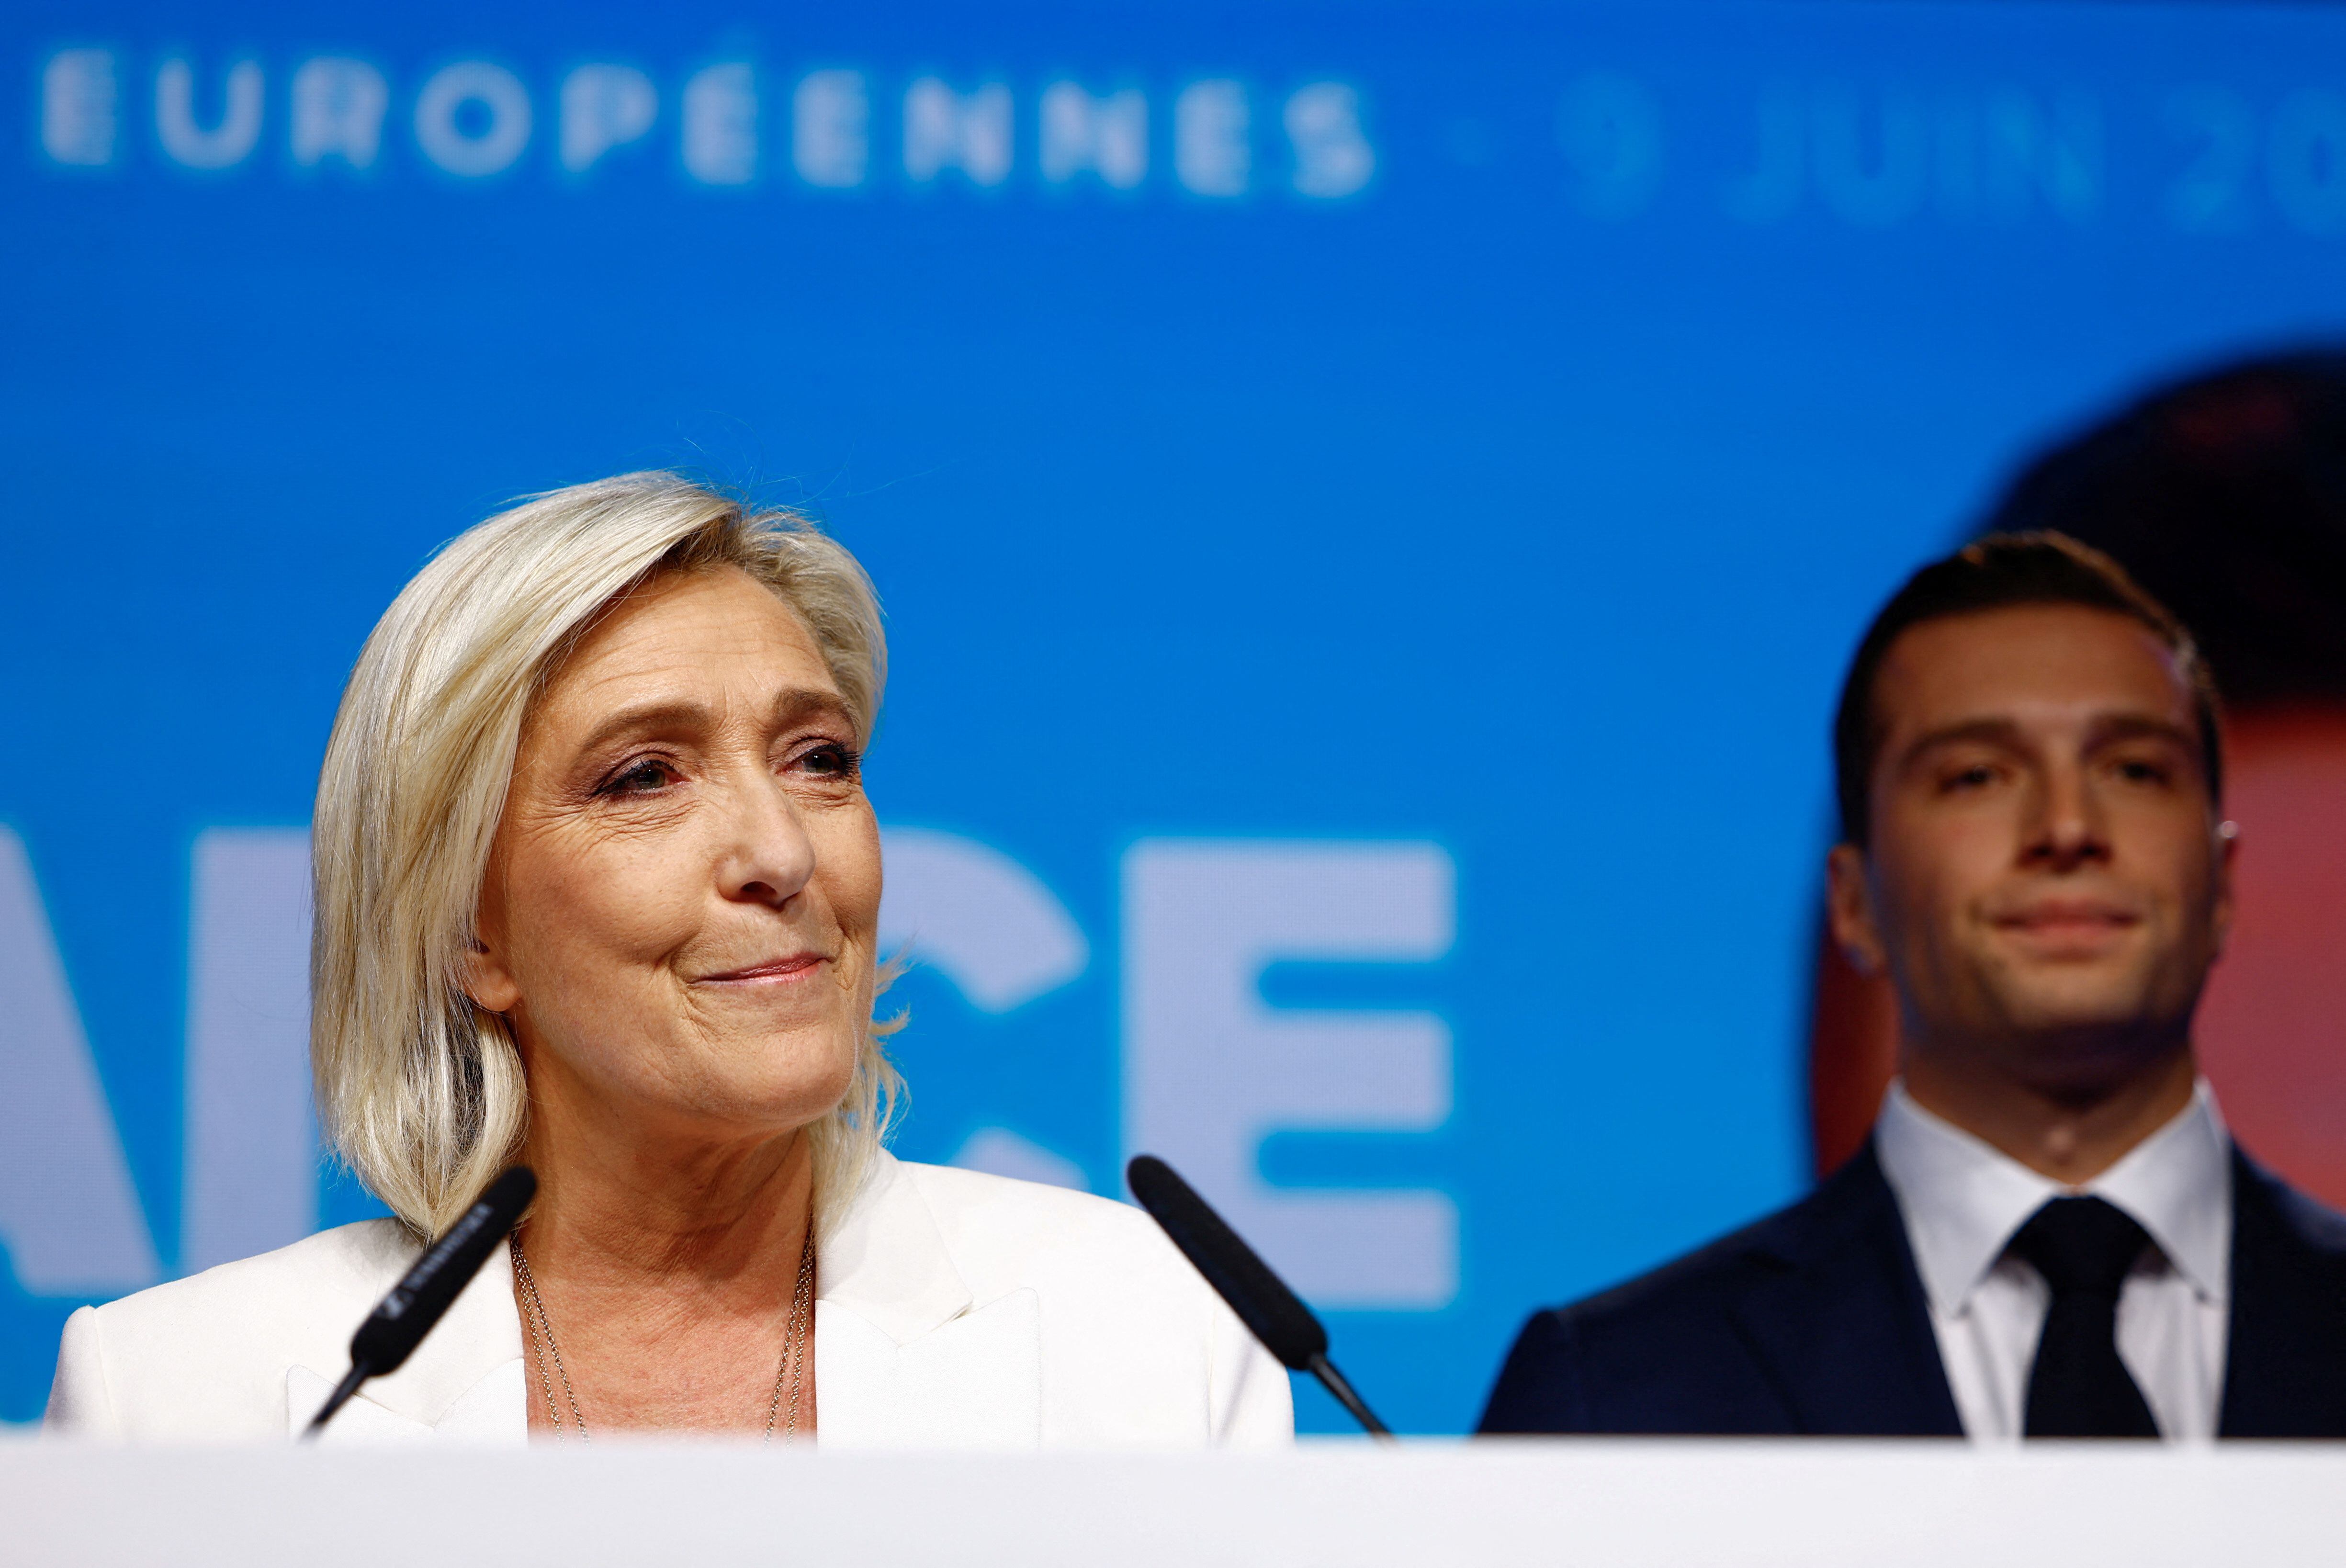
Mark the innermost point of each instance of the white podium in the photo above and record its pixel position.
(1559, 1504)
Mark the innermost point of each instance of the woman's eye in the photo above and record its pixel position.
(642, 777)
(829, 760)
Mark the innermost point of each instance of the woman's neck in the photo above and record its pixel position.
(671, 1216)
(667, 1266)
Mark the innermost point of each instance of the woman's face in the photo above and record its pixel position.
(681, 908)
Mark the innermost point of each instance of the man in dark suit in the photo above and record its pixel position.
(2049, 1233)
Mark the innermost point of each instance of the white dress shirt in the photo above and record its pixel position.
(1962, 1201)
(954, 1310)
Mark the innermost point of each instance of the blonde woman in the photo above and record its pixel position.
(597, 891)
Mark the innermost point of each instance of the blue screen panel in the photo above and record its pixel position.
(1371, 503)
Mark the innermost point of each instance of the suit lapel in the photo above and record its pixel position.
(2285, 1365)
(973, 1382)
(904, 1355)
(464, 1382)
(1838, 1320)
(484, 1415)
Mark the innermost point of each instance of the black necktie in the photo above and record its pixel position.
(2077, 1387)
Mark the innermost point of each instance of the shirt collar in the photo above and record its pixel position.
(2177, 1184)
(1963, 1199)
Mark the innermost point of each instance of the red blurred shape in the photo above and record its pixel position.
(1853, 1054)
(2272, 1027)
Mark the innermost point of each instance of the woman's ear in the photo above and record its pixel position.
(487, 979)
(488, 982)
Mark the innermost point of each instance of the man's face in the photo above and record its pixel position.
(2047, 883)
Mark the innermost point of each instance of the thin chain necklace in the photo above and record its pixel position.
(789, 1376)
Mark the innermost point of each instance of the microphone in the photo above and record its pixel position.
(1261, 1298)
(399, 1322)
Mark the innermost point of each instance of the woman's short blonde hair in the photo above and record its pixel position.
(419, 1089)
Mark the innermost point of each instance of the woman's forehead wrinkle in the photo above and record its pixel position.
(653, 673)
(728, 708)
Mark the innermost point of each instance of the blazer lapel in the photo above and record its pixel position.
(484, 1415)
(904, 1356)
(463, 1383)
(2285, 1366)
(1839, 1322)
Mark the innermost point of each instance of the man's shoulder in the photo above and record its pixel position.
(2286, 1372)
(2301, 1219)
(1673, 1350)
(1846, 1208)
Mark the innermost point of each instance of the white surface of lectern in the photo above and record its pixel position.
(1576, 1503)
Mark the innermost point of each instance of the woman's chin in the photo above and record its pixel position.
(735, 1119)
(784, 1016)
(778, 1091)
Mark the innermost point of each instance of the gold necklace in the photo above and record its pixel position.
(790, 1374)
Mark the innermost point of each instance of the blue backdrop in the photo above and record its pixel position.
(1371, 501)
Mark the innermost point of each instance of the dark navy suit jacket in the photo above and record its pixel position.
(1813, 1322)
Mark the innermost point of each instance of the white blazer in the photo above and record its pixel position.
(953, 1310)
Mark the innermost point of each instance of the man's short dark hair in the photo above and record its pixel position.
(1999, 571)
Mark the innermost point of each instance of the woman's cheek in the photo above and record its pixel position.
(855, 883)
(629, 895)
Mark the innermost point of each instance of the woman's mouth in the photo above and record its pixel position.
(792, 966)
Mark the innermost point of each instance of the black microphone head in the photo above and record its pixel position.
(401, 1319)
(1261, 1298)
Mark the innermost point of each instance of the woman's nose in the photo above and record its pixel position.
(766, 855)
